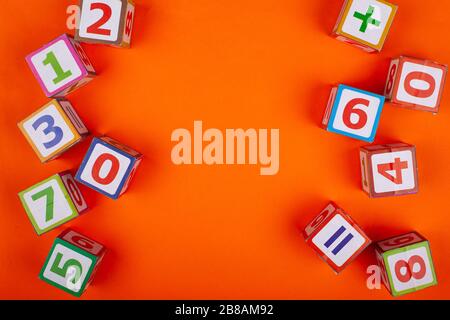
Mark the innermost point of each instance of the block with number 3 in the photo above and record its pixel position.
(406, 263)
(108, 167)
(389, 170)
(336, 238)
(415, 84)
(53, 202)
(61, 66)
(353, 113)
(106, 21)
(53, 129)
(72, 262)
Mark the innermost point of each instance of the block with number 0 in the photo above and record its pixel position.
(53, 202)
(108, 167)
(106, 21)
(353, 113)
(61, 66)
(406, 263)
(53, 129)
(389, 170)
(365, 23)
(336, 238)
(72, 262)
(415, 84)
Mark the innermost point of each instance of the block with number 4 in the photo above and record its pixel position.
(389, 170)
(53, 202)
(72, 262)
(108, 167)
(365, 23)
(353, 113)
(406, 263)
(335, 237)
(61, 66)
(106, 21)
(53, 129)
(416, 84)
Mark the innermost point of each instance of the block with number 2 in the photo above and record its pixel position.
(335, 237)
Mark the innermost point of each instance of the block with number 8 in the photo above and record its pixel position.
(53, 202)
(72, 262)
(389, 170)
(106, 21)
(61, 66)
(353, 113)
(108, 167)
(335, 237)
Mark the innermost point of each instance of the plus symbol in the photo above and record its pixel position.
(367, 19)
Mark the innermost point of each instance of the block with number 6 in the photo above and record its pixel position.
(406, 263)
(108, 167)
(72, 262)
(335, 237)
(53, 129)
(106, 21)
(61, 66)
(389, 170)
(53, 202)
(353, 113)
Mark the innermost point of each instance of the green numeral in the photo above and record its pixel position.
(49, 195)
(60, 73)
(63, 271)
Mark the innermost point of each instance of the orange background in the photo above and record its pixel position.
(207, 232)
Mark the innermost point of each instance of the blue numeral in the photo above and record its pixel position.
(51, 128)
(341, 244)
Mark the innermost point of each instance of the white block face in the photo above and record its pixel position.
(67, 268)
(380, 262)
(74, 192)
(400, 241)
(420, 84)
(338, 240)
(74, 118)
(79, 240)
(310, 228)
(392, 75)
(393, 171)
(56, 66)
(367, 20)
(129, 19)
(100, 19)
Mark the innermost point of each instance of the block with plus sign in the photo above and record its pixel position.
(365, 23)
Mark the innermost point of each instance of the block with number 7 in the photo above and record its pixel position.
(72, 262)
(353, 113)
(389, 170)
(335, 237)
(53, 202)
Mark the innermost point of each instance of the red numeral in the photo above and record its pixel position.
(96, 28)
(399, 241)
(75, 192)
(129, 23)
(409, 267)
(390, 83)
(350, 109)
(83, 242)
(112, 174)
(398, 166)
(420, 76)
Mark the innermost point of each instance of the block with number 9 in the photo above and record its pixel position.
(61, 66)
(336, 238)
(72, 262)
(406, 263)
(389, 170)
(353, 113)
(53, 202)
(108, 167)
(106, 21)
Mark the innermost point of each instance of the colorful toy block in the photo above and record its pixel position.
(415, 84)
(106, 21)
(53, 129)
(406, 263)
(61, 66)
(352, 112)
(389, 170)
(108, 167)
(53, 202)
(72, 262)
(336, 238)
(365, 23)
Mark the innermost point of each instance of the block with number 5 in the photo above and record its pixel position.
(108, 167)
(53, 129)
(72, 262)
(353, 113)
(335, 237)
(106, 21)
(389, 170)
(61, 66)
(406, 263)
(416, 84)
(53, 202)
